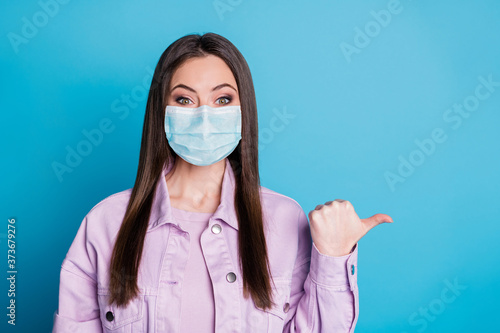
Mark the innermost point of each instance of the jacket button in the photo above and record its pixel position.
(109, 316)
(352, 269)
(216, 229)
(231, 277)
(286, 307)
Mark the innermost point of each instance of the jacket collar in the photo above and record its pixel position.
(161, 211)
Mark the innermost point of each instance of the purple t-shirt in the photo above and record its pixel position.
(197, 302)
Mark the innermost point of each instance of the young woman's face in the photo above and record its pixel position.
(203, 81)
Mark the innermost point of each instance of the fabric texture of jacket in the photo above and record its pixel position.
(313, 292)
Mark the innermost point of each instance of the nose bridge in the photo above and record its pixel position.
(206, 95)
(205, 99)
(205, 118)
(205, 110)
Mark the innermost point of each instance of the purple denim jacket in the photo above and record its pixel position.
(313, 292)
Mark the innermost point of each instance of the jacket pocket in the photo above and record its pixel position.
(269, 320)
(126, 319)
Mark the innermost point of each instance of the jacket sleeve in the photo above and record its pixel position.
(78, 309)
(324, 292)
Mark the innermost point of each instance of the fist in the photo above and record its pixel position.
(336, 228)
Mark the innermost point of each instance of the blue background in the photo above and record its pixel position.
(353, 119)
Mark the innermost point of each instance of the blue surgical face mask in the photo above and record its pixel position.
(203, 135)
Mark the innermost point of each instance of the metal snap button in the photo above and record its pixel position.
(216, 228)
(286, 307)
(109, 316)
(231, 277)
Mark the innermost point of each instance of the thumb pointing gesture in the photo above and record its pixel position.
(336, 228)
(375, 220)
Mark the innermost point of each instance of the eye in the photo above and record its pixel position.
(182, 100)
(224, 100)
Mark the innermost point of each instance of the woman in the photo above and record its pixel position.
(197, 245)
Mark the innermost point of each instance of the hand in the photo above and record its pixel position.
(336, 228)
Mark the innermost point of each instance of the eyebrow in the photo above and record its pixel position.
(220, 86)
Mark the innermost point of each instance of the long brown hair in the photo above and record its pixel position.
(155, 152)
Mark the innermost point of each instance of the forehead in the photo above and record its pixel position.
(209, 70)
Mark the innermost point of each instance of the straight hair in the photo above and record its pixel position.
(155, 152)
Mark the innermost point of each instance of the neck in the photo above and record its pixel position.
(195, 188)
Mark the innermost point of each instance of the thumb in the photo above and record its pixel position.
(376, 219)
